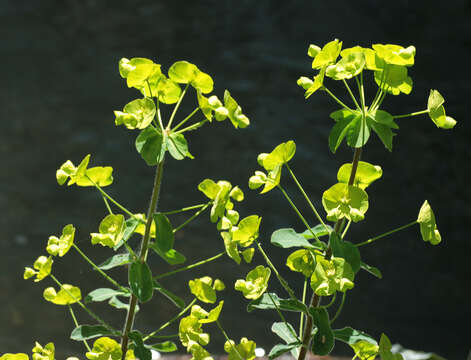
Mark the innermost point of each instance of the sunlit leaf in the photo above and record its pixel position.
(60, 246)
(344, 201)
(168, 91)
(372, 270)
(304, 82)
(67, 295)
(255, 283)
(313, 50)
(103, 294)
(247, 254)
(288, 238)
(190, 331)
(98, 175)
(166, 347)
(385, 349)
(428, 226)
(203, 290)
(365, 175)
(285, 331)
(317, 84)
(178, 146)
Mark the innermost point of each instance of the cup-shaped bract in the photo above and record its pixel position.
(234, 111)
(393, 79)
(303, 261)
(436, 111)
(365, 175)
(111, 231)
(203, 290)
(428, 225)
(328, 55)
(245, 350)
(247, 230)
(42, 268)
(255, 283)
(213, 314)
(105, 348)
(184, 72)
(60, 246)
(348, 67)
(395, 54)
(345, 201)
(67, 295)
(331, 275)
(46, 352)
(17, 356)
(137, 114)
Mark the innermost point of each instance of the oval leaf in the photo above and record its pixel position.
(140, 281)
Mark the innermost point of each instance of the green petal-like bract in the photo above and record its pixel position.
(437, 111)
(238, 119)
(43, 265)
(280, 155)
(231, 246)
(105, 348)
(302, 261)
(394, 80)
(428, 226)
(213, 315)
(348, 67)
(247, 230)
(344, 201)
(331, 276)
(67, 295)
(60, 246)
(111, 231)
(203, 290)
(138, 114)
(365, 175)
(395, 54)
(18, 356)
(43, 353)
(245, 350)
(370, 56)
(327, 55)
(255, 283)
(385, 349)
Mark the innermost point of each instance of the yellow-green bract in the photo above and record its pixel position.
(428, 226)
(345, 201)
(331, 275)
(67, 295)
(60, 246)
(255, 283)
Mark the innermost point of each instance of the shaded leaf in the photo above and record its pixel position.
(151, 146)
(115, 261)
(140, 281)
(85, 332)
(265, 302)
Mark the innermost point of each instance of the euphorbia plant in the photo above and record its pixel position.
(324, 254)
(135, 235)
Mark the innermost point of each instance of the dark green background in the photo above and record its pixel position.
(60, 84)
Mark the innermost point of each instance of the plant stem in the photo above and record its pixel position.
(77, 325)
(90, 312)
(339, 310)
(105, 194)
(177, 105)
(107, 205)
(107, 277)
(194, 216)
(229, 340)
(298, 213)
(185, 119)
(337, 99)
(351, 94)
(171, 321)
(369, 241)
(346, 228)
(199, 263)
(282, 281)
(142, 256)
(315, 300)
(301, 318)
(426, 111)
(188, 208)
(192, 127)
(316, 213)
(331, 301)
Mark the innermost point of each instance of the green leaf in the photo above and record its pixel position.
(111, 231)
(178, 146)
(323, 340)
(115, 261)
(317, 84)
(102, 294)
(172, 256)
(327, 55)
(345, 120)
(372, 270)
(151, 146)
(319, 230)
(302, 261)
(166, 347)
(238, 119)
(118, 304)
(437, 111)
(85, 332)
(213, 315)
(176, 300)
(385, 349)
(345, 250)
(365, 175)
(358, 132)
(67, 295)
(105, 348)
(138, 114)
(140, 281)
(130, 226)
(393, 79)
(280, 349)
(265, 302)
(384, 133)
(383, 117)
(203, 290)
(60, 246)
(255, 284)
(247, 230)
(164, 232)
(331, 276)
(288, 238)
(349, 66)
(209, 188)
(345, 201)
(428, 226)
(285, 331)
(395, 54)
(365, 347)
(140, 350)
